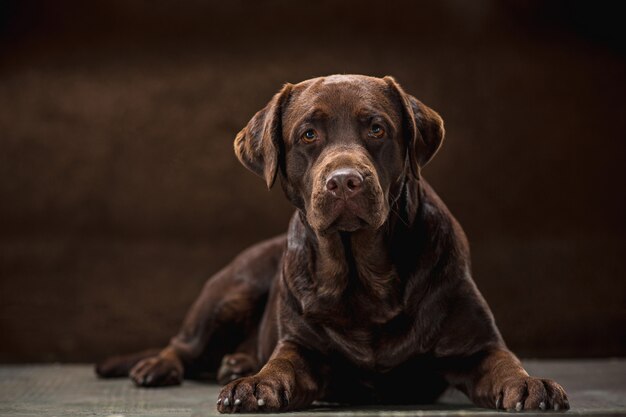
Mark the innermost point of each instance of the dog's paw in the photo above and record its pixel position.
(157, 371)
(114, 367)
(235, 366)
(528, 393)
(254, 394)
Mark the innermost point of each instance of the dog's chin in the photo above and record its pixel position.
(348, 222)
(341, 216)
(344, 221)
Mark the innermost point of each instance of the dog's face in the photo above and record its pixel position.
(343, 146)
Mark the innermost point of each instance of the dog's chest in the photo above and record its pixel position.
(366, 343)
(358, 306)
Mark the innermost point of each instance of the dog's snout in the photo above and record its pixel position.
(345, 182)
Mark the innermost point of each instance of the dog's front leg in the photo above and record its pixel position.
(290, 380)
(496, 379)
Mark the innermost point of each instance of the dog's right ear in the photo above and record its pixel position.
(258, 145)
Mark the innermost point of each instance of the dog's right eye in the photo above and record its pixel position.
(309, 136)
(377, 131)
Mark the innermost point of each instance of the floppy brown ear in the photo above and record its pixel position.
(258, 145)
(423, 126)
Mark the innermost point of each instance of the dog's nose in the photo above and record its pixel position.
(345, 182)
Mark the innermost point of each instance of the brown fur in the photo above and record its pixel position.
(369, 297)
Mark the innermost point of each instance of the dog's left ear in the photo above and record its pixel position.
(258, 145)
(422, 125)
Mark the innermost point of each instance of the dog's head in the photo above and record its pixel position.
(342, 146)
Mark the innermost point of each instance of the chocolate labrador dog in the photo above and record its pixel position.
(369, 297)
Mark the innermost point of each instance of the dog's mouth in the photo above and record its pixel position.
(341, 215)
(347, 217)
(346, 199)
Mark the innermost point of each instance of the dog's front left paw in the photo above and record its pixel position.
(528, 393)
(254, 394)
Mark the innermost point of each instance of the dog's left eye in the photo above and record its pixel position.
(377, 131)
(309, 136)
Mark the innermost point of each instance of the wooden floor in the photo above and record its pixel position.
(595, 387)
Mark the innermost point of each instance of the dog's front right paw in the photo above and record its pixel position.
(254, 394)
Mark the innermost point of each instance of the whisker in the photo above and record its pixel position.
(399, 216)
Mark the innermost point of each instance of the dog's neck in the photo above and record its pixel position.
(359, 259)
(360, 265)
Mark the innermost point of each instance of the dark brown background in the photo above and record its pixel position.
(120, 193)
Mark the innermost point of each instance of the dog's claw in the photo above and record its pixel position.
(542, 405)
(237, 401)
(226, 402)
(219, 401)
(518, 406)
(261, 402)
